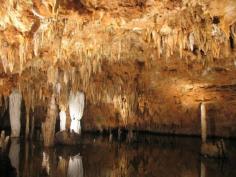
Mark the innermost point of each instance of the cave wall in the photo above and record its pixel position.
(142, 64)
(165, 98)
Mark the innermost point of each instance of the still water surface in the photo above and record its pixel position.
(99, 156)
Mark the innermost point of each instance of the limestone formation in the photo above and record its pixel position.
(76, 107)
(48, 127)
(142, 64)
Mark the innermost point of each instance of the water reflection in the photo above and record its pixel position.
(75, 168)
(203, 169)
(148, 156)
(45, 163)
(14, 153)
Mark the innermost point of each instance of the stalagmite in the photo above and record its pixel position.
(14, 154)
(75, 168)
(76, 108)
(48, 127)
(15, 111)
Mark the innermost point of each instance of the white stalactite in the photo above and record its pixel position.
(191, 41)
(14, 153)
(15, 109)
(203, 123)
(62, 115)
(76, 108)
(75, 168)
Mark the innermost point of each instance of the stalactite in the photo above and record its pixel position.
(15, 112)
(191, 41)
(76, 108)
(39, 35)
(48, 127)
(5, 64)
(22, 52)
(62, 115)
(75, 167)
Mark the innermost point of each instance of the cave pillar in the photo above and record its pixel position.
(48, 126)
(15, 99)
(203, 122)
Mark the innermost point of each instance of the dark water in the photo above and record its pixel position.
(97, 156)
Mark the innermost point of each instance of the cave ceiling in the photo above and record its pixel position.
(50, 46)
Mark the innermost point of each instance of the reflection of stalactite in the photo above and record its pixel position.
(62, 167)
(15, 110)
(203, 170)
(3, 141)
(26, 161)
(45, 163)
(76, 108)
(14, 154)
(32, 128)
(75, 168)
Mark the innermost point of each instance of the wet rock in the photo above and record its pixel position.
(67, 138)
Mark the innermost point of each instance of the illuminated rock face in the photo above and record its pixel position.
(76, 108)
(15, 111)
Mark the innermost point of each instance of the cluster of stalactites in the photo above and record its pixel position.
(187, 29)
